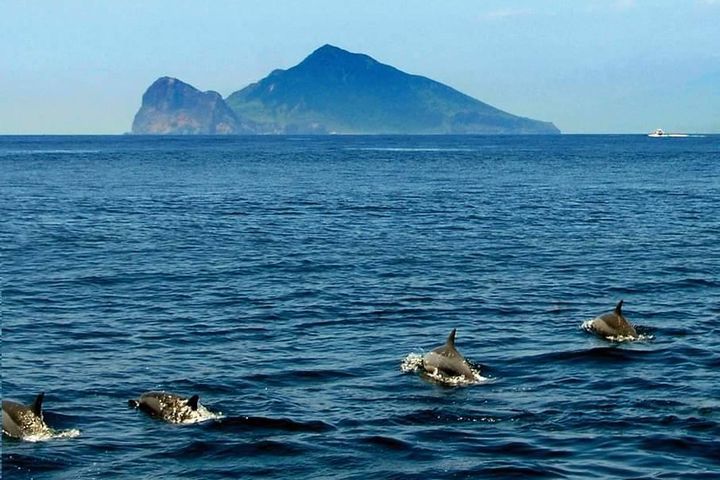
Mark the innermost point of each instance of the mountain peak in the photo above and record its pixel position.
(166, 79)
(328, 50)
(330, 56)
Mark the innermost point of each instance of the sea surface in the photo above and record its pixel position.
(285, 280)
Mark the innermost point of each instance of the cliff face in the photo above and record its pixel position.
(172, 107)
(333, 90)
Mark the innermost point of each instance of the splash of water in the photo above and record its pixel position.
(51, 434)
(202, 414)
(412, 363)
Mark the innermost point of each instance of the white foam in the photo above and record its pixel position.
(412, 363)
(51, 434)
(629, 338)
(70, 433)
(587, 326)
(5, 153)
(202, 414)
(458, 381)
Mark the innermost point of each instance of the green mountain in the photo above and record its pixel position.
(335, 91)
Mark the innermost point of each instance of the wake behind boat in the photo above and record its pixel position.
(661, 133)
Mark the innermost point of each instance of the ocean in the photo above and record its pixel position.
(286, 279)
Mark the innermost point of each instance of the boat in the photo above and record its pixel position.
(659, 132)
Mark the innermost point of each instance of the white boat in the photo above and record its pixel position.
(661, 133)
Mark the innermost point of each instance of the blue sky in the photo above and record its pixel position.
(611, 66)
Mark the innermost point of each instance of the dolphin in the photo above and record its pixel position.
(169, 407)
(613, 324)
(447, 362)
(20, 421)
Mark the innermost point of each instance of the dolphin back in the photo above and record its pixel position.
(20, 421)
(451, 367)
(153, 402)
(447, 361)
(167, 406)
(10, 422)
(614, 324)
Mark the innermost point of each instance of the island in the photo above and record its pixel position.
(332, 91)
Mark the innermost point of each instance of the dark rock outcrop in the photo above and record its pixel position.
(172, 107)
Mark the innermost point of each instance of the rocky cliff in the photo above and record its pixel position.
(172, 107)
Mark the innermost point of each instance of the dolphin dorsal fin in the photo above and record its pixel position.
(451, 338)
(36, 406)
(193, 402)
(618, 308)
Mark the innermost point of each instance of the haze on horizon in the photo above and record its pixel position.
(612, 66)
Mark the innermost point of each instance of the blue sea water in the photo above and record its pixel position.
(285, 279)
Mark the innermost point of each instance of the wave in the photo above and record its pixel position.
(223, 451)
(14, 463)
(410, 149)
(293, 376)
(388, 443)
(511, 471)
(525, 449)
(244, 423)
(439, 417)
(593, 355)
(671, 285)
(708, 449)
(60, 151)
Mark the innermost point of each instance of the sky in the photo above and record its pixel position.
(589, 66)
